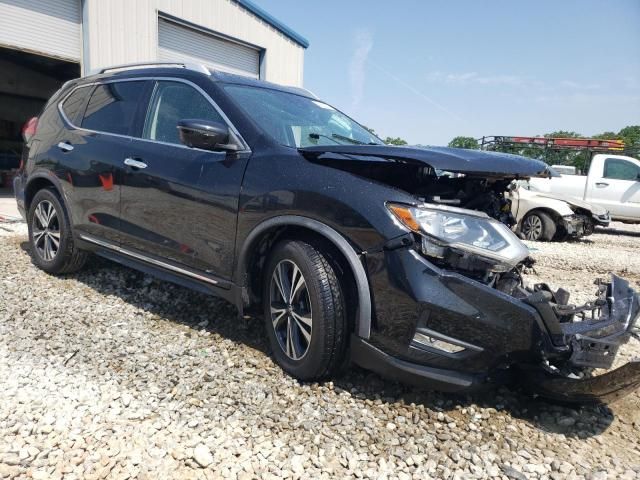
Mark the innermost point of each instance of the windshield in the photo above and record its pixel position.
(297, 121)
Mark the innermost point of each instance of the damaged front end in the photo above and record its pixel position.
(475, 316)
(578, 340)
(586, 339)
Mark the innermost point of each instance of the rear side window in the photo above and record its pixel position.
(621, 169)
(112, 107)
(73, 103)
(172, 102)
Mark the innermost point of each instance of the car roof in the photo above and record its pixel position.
(185, 70)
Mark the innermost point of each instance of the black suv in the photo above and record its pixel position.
(399, 259)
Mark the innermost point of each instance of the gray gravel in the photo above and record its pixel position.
(112, 374)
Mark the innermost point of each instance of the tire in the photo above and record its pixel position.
(538, 226)
(318, 343)
(48, 223)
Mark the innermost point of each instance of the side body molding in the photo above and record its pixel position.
(363, 316)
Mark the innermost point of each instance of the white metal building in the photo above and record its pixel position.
(44, 43)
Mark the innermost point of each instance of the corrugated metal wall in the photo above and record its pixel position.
(51, 28)
(178, 42)
(124, 31)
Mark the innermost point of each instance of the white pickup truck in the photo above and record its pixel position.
(613, 182)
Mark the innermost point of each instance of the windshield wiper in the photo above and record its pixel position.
(347, 139)
(334, 136)
(316, 136)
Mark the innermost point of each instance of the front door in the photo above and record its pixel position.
(619, 189)
(178, 203)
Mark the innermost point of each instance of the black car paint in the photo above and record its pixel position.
(197, 216)
(472, 162)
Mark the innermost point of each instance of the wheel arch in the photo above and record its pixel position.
(261, 239)
(37, 182)
(554, 214)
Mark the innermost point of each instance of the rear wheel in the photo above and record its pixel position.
(538, 226)
(304, 309)
(50, 238)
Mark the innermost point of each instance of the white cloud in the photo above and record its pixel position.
(467, 78)
(579, 86)
(363, 46)
(475, 78)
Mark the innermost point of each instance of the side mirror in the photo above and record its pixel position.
(205, 134)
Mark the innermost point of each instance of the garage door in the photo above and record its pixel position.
(51, 27)
(179, 43)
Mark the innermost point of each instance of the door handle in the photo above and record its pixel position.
(132, 162)
(602, 184)
(65, 146)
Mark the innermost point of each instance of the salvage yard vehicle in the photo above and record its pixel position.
(613, 182)
(544, 216)
(354, 250)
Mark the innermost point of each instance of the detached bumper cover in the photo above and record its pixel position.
(594, 332)
(605, 388)
(597, 329)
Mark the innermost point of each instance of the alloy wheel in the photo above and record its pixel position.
(532, 227)
(45, 229)
(291, 314)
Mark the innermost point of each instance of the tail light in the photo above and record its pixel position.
(29, 129)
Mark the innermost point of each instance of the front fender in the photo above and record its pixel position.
(363, 320)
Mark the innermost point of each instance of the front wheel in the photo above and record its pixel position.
(538, 226)
(304, 311)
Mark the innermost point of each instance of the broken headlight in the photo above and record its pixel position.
(468, 233)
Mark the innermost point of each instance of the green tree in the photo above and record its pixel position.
(563, 134)
(631, 137)
(607, 136)
(464, 142)
(395, 141)
(388, 140)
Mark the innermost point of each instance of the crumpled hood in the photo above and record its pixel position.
(456, 160)
(594, 209)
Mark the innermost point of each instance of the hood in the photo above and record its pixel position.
(458, 160)
(594, 209)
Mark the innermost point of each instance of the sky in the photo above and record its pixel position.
(429, 70)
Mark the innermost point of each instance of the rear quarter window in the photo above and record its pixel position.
(73, 104)
(112, 107)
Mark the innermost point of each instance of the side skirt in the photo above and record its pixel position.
(194, 280)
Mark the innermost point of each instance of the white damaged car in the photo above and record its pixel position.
(546, 216)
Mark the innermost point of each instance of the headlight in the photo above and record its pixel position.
(444, 227)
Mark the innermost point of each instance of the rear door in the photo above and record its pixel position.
(95, 154)
(619, 188)
(180, 204)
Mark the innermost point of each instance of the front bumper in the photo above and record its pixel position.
(374, 359)
(493, 331)
(577, 226)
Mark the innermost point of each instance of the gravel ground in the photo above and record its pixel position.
(110, 373)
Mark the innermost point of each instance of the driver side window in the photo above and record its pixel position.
(172, 102)
(621, 169)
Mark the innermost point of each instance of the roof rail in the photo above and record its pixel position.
(132, 66)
